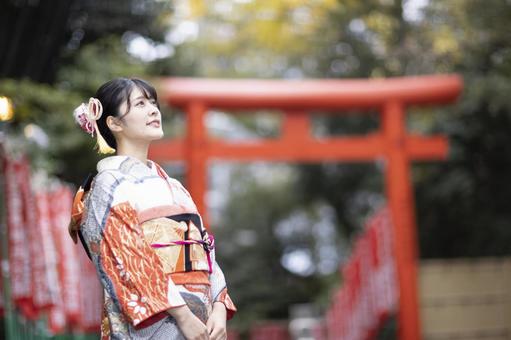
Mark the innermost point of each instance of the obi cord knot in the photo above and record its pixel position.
(208, 242)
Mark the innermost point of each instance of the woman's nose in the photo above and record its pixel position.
(154, 111)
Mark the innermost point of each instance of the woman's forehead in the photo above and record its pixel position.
(138, 92)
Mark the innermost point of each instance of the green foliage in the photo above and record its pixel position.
(461, 204)
(48, 108)
(250, 252)
(70, 153)
(97, 63)
(99, 18)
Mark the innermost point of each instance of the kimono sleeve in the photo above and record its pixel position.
(219, 288)
(128, 267)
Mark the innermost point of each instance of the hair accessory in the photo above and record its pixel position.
(81, 117)
(86, 116)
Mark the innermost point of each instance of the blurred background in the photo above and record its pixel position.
(283, 230)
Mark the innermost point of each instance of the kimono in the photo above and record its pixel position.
(145, 237)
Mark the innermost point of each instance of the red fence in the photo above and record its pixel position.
(270, 331)
(369, 292)
(49, 275)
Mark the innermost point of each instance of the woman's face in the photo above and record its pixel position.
(142, 122)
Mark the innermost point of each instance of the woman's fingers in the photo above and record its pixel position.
(216, 332)
(210, 325)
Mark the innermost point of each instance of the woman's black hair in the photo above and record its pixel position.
(112, 94)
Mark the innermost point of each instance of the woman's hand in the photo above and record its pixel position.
(190, 325)
(217, 322)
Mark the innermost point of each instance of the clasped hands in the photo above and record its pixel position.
(194, 329)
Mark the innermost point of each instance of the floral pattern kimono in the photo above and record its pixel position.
(145, 237)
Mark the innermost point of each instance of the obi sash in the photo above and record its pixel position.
(180, 241)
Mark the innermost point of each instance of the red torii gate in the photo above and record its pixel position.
(296, 144)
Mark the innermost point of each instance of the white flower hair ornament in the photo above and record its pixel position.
(86, 115)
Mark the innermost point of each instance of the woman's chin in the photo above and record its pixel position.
(157, 135)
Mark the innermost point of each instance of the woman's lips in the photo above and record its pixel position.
(154, 123)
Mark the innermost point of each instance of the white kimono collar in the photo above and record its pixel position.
(114, 163)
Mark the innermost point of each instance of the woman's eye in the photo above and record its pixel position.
(141, 103)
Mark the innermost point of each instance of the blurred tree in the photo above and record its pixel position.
(31, 36)
(250, 250)
(69, 152)
(37, 37)
(462, 207)
(251, 38)
(75, 45)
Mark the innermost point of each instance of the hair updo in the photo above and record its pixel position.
(115, 92)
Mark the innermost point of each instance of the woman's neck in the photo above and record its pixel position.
(139, 150)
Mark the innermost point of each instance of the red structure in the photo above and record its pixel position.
(296, 144)
(270, 331)
(368, 295)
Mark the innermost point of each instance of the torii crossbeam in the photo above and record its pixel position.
(295, 99)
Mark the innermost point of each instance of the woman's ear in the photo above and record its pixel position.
(113, 124)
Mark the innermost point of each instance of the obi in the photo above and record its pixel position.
(181, 244)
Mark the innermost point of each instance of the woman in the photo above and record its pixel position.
(142, 229)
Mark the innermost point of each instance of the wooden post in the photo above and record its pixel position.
(196, 156)
(401, 202)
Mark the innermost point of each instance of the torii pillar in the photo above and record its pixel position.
(295, 99)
